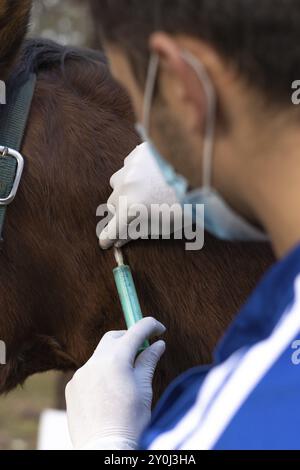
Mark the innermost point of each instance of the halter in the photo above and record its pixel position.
(13, 122)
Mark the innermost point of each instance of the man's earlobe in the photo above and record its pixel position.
(38, 355)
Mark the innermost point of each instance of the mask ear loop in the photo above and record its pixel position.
(208, 146)
(149, 91)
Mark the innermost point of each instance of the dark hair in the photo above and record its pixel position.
(261, 38)
(37, 55)
(14, 20)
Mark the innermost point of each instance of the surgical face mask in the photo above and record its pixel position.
(220, 219)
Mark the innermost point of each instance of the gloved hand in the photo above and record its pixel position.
(109, 400)
(141, 182)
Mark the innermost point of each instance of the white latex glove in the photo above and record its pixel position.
(141, 182)
(109, 400)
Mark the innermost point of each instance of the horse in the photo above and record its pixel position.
(14, 19)
(57, 292)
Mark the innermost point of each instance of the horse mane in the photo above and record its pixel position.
(38, 55)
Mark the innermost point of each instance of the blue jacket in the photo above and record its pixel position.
(250, 397)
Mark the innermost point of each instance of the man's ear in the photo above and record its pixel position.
(182, 83)
(40, 354)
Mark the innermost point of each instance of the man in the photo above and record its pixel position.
(215, 103)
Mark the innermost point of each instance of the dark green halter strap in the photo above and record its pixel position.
(13, 121)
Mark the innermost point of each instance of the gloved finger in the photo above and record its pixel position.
(112, 335)
(108, 236)
(117, 179)
(136, 153)
(113, 201)
(115, 233)
(104, 345)
(147, 361)
(107, 341)
(138, 334)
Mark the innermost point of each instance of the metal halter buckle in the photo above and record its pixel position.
(4, 153)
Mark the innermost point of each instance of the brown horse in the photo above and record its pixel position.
(14, 19)
(57, 294)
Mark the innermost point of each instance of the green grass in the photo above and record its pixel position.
(20, 410)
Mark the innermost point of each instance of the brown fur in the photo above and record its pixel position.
(57, 295)
(14, 18)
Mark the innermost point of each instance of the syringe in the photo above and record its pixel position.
(127, 293)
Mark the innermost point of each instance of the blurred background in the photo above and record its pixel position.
(64, 21)
(67, 22)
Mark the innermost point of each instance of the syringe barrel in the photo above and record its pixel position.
(128, 296)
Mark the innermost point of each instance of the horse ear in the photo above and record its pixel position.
(40, 354)
(14, 18)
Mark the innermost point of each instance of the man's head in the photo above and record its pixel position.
(251, 52)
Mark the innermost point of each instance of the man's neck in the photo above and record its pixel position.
(276, 195)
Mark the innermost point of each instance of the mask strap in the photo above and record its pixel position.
(208, 146)
(209, 91)
(149, 92)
